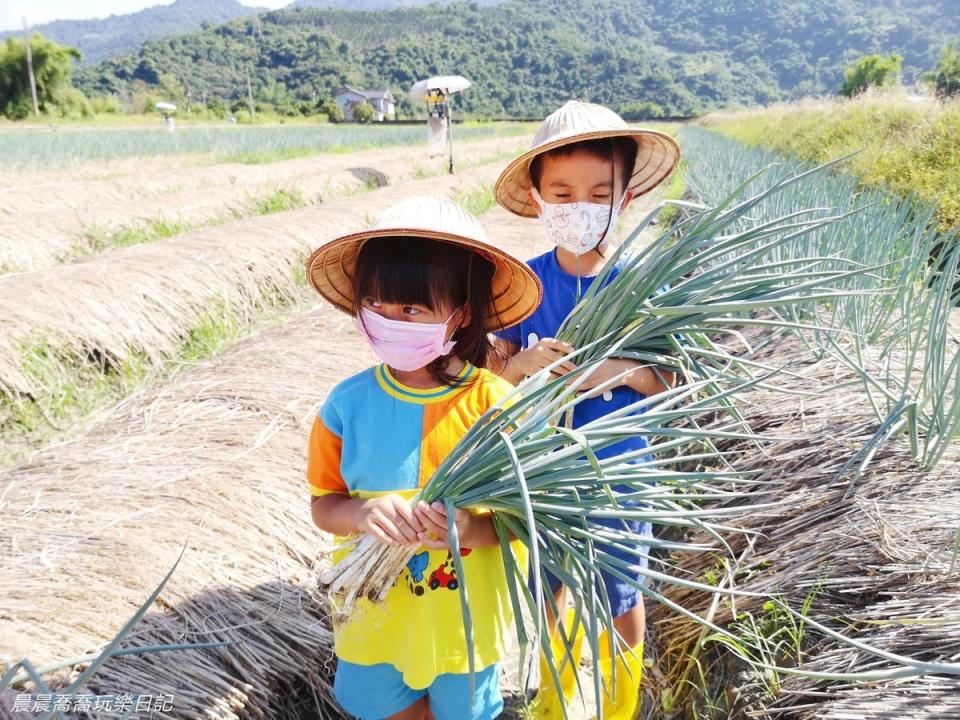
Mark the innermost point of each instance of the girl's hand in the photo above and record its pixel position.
(435, 524)
(536, 358)
(390, 519)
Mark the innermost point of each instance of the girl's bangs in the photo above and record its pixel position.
(411, 271)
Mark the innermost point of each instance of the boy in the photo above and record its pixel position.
(585, 167)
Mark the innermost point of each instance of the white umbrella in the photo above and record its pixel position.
(447, 83)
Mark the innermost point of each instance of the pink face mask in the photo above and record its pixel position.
(404, 345)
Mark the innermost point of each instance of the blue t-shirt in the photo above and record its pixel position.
(559, 299)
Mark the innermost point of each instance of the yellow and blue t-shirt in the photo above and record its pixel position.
(375, 436)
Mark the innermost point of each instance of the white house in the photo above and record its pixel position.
(382, 102)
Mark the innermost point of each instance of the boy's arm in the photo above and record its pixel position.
(644, 379)
(521, 363)
(649, 380)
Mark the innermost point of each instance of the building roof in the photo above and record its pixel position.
(368, 94)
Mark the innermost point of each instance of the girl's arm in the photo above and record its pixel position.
(389, 518)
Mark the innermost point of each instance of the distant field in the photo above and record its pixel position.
(58, 148)
(911, 145)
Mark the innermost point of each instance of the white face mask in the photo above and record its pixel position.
(577, 227)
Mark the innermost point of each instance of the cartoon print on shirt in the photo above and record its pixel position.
(444, 576)
(533, 339)
(417, 564)
(415, 567)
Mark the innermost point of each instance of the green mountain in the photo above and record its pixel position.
(107, 37)
(526, 57)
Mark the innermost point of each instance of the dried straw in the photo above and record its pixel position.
(214, 459)
(876, 550)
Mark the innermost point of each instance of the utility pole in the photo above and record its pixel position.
(249, 95)
(33, 81)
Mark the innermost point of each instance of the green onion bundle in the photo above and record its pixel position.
(708, 276)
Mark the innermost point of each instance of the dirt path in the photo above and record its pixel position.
(133, 178)
(43, 223)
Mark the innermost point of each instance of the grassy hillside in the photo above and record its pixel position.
(640, 56)
(909, 145)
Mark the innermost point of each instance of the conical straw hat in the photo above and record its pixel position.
(657, 152)
(515, 288)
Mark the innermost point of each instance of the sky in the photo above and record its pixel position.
(42, 11)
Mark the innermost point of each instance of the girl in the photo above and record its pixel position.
(425, 288)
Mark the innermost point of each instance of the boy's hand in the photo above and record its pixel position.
(536, 358)
(390, 519)
(435, 524)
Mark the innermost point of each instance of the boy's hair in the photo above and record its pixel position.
(623, 148)
(417, 271)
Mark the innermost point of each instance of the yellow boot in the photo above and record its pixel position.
(622, 701)
(547, 703)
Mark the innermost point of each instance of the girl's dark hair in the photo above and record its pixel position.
(623, 148)
(417, 271)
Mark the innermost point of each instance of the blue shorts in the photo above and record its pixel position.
(623, 595)
(374, 692)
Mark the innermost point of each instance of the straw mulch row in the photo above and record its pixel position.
(142, 301)
(877, 553)
(42, 226)
(213, 458)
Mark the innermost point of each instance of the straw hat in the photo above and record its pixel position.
(516, 290)
(657, 153)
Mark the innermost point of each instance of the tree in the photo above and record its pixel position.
(217, 107)
(52, 66)
(363, 112)
(945, 79)
(641, 110)
(333, 111)
(871, 71)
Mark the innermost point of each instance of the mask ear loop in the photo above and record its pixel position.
(613, 189)
(468, 302)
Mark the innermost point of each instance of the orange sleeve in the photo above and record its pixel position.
(323, 461)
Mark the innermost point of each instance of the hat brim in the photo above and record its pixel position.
(516, 290)
(657, 156)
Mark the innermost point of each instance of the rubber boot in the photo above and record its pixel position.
(547, 705)
(622, 701)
